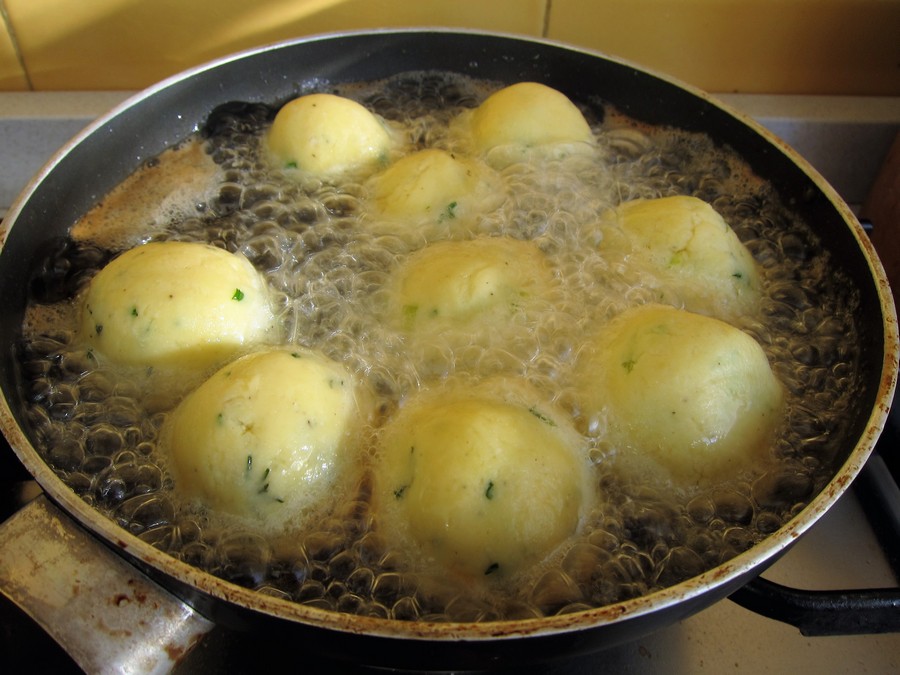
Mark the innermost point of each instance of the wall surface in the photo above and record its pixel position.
(843, 47)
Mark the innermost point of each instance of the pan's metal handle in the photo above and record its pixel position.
(108, 616)
(843, 612)
(819, 613)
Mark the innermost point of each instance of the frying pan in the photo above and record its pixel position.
(115, 145)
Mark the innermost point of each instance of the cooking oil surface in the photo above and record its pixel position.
(328, 257)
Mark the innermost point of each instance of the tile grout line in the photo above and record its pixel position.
(15, 43)
(545, 28)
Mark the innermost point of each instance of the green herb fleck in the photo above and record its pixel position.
(449, 213)
(493, 567)
(738, 275)
(542, 417)
(220, 420)
(489, 492)
(266, 475)
(249, 463)
(290, 165)
(134, 311)
(98, 328)
(238, 295)
(263, 489)
(629, 365)
(398, 493)
(296, 355)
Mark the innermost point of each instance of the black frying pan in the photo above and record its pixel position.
(110, 149)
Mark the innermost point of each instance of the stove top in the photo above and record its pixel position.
(845, 138)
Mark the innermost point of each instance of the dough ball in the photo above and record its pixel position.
(178, 304)
(453, 283)
(527, 116)
(436, 186)
(483, 483)
(681, 391)
(326, 134)
(690, 250)
(267, 436)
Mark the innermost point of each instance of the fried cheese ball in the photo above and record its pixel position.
(326, 134)
(176, 304)
(435, 186)
(524, 117)
(690, 250)
(483, 483)
(683, 393)
(267, 437)
(453, 283)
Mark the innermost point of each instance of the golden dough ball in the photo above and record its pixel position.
(691, 251)
(326, 134)
(681, 391)
(453, 283)
(483, 484)
(528, 115)
(436, 186)
(186, 305)
(268, 436)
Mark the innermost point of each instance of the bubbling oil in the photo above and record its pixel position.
(327, 263)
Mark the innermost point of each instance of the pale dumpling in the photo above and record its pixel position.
(452, 283)
(681, 392)
(527, 116)
(435, 186)
(689, 250)
(325, 134)
(179, 304)
(268, 437)
(481, 483)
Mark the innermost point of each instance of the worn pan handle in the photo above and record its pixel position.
(104, 613)
(854, 612)
(820, 613)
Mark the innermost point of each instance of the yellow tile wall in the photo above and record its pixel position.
(747, 46)
(751, 46)
(128, 44)
(12, 75)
